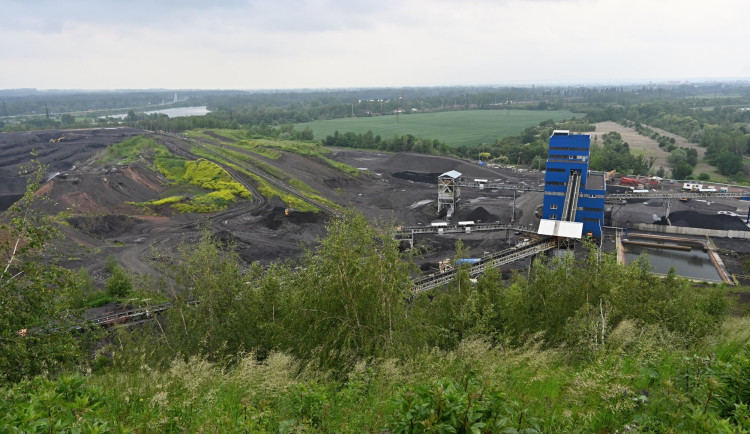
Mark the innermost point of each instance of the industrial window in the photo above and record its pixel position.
(555, 183)
(556, 169)
(569, 148)
(583, 208)
(553, 206)
(553, 217)
(588, 219)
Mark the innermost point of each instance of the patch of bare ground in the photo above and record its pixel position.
(648, 147)
(58, 150)
(639, 145)
(101, 190)
(702, 166)
(681, 141)
(104, 226)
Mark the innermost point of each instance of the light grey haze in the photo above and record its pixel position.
(281, 44)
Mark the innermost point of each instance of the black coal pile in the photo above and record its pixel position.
(279, 215)
(104, 226)
(707, 221)
(478, 214)
(616, 189)
(427, 178)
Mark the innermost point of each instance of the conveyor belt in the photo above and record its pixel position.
(675, 195)
(498, 259)
(497, 186)
(571, 197)
(454, 229)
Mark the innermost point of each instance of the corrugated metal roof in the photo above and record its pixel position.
(452, 174)
(558, 228)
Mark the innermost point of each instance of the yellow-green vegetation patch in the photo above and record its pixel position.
(210, 176)
(244, 158)
(259, 147)
(211, 202)
(201, 173)
(130, 150)
(267, 190)
(299, 185)
(234, 134)
(166, 201)
(341, 166)
(301, 148)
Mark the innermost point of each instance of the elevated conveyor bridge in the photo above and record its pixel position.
(496, 186)
(676, 195)
(495, 260)
(463, 228)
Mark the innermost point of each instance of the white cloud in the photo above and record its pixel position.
(335, 43)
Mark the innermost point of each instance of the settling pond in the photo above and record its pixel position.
(693, 264)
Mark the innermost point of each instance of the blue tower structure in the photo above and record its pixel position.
(573, 197)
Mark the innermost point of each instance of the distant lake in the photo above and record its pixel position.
(176, 112)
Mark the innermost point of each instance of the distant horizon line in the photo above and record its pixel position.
(672, 82)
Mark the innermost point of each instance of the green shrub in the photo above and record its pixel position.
(447, 405)
(110, 264)
(119, 284)
(63, 405)
(83, 288)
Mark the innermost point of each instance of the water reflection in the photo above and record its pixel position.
(695, 264)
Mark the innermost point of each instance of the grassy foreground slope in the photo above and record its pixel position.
(455, 128)
(333, 345)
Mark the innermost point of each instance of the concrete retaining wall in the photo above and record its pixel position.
(690, 231)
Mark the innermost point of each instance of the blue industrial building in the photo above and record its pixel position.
(571, 193)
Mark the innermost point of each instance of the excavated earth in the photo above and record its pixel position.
(59, 150)
(394, 189)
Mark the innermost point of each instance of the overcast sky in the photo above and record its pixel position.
(282, 44)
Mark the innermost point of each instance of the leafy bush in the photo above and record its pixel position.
(34, 296)
(128, 150)
(119, 284)
(66, 404)
(446, 405)
(353, 305)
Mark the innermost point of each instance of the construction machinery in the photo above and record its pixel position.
(632, 182)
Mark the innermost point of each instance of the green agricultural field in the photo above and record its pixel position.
(454, 128)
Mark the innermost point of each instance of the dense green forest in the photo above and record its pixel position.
(337, 342)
